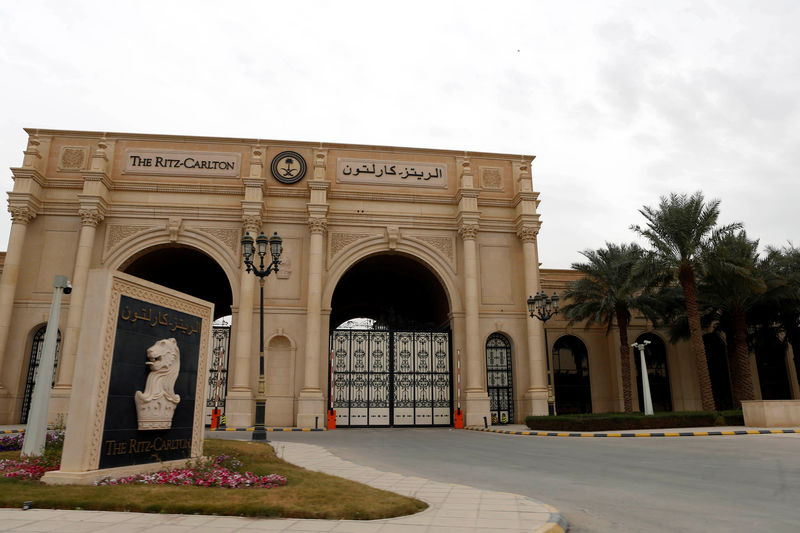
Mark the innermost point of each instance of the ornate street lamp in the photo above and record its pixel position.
(275, 245)
(544, 307)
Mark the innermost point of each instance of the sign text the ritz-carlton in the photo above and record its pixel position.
(182, 162)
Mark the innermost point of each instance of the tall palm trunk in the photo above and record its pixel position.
(743, 376)
(686, 278)
(625, 360)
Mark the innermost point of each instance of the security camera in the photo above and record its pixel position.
(68, 288)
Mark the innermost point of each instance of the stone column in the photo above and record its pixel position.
(536, 395)
(239, 401)
(20, 216)
(90, 218)
(310, 403)
(477, 399)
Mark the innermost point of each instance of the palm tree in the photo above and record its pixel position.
(609, 292)
(678, 230)
(732, 285)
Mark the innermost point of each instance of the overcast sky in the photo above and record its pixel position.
(621, 101)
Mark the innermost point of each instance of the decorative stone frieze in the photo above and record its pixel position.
(72, 158)
(285, 270)
(228, 236)
(492, 178)
(443, 244)
(339, 241)
(117, 233)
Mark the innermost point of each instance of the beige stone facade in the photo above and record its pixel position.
(85, 200)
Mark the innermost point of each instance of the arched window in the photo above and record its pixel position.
(572, 389)
(499, 379)
(33, 369)
(656, 356)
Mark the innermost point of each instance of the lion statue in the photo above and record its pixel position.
(156, 405)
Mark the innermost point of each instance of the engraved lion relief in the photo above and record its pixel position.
(156, 405)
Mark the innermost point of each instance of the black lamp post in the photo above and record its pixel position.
(275, 249)
(544, 307)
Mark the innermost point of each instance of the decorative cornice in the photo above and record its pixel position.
(468, 231)
(317, 225)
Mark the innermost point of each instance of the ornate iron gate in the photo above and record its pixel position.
(391, 378)
(218, 371)
(499, 382)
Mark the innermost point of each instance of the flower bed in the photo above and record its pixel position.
(32, 468)
(220, 471)
(13, 441)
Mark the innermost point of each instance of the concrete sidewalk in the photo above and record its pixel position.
(453, 508)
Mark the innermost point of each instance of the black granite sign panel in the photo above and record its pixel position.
(140, 325)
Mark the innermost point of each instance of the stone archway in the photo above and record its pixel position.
(398, 372)
(571, 382)
(184, 269)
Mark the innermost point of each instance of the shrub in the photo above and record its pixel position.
(634, 421)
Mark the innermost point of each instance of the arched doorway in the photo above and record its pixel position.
(657, 372)
(499, 378)
(717, 357)
(394, 368)
(192, 272)
(572, 388)
(186, 270)
(772, 371)
(33, 369)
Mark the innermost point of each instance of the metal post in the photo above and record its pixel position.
(36, 430)
(551, 393)
(260, 432)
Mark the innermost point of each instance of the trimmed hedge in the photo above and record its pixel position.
(623, 421)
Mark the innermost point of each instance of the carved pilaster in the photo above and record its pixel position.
(317, 225)
(91, 217)
(21, 214)
(527, 234)
(468, 231)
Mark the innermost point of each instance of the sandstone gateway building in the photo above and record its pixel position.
(438, 248)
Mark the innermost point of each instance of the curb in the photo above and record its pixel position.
(268, 429)
(555, 524)
(10, 431)
(637, 434)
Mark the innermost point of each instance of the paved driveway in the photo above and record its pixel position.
(741, 483)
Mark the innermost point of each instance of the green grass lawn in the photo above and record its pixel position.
(306, 495)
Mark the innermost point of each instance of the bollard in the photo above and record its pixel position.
(485, 423)
(316, 422)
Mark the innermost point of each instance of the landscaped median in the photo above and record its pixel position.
(305, 494)
(634, 421)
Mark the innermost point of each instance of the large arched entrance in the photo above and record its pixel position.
(573, 390)
(390, 345)
(192, 272)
